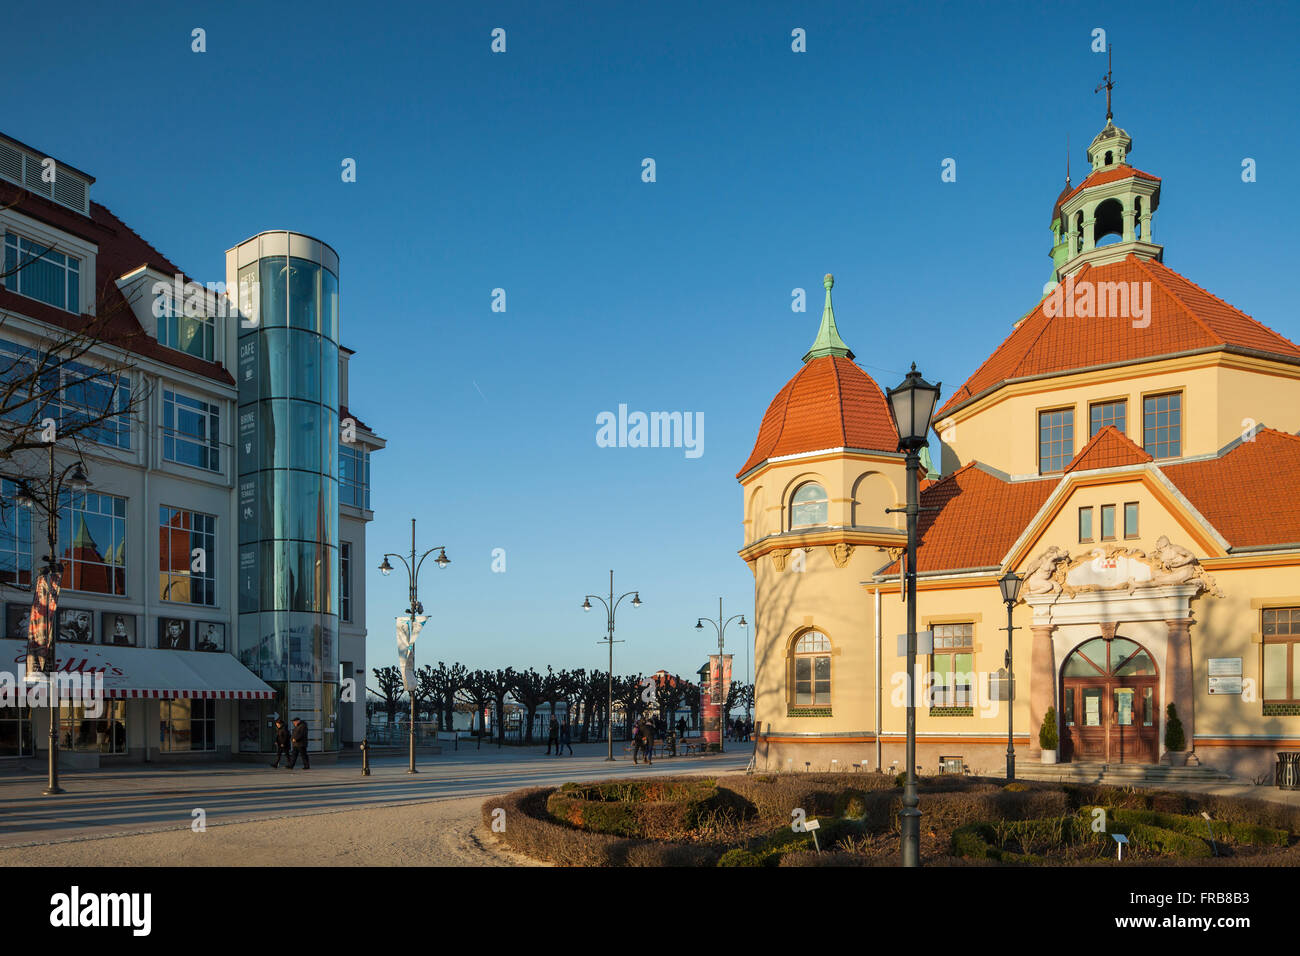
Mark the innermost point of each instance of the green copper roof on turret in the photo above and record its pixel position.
(828, 341)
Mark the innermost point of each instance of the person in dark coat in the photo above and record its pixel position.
(638, 741)
(566, 739)
(281, 743)
(299, 737)
(553, 737)
(681, 727)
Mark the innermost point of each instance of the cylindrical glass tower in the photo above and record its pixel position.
(288, 497)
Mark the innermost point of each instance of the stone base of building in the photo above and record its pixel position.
(980, 757)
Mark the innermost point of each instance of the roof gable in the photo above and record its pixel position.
(1109, 448)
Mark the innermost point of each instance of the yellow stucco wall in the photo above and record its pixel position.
(1219, 393)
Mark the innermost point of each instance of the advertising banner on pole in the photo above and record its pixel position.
(41, 625)
(406, 648)
(719, 677)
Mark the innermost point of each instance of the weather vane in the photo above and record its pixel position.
(1106, 84)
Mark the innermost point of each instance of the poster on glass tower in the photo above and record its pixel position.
(40, 628)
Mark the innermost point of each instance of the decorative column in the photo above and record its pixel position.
(1090, 230)
(1042, 683)
(1128, 222)
(1179, 688)
(1146, 227)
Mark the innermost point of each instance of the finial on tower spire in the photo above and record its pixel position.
(1107, 84)
(828, 341)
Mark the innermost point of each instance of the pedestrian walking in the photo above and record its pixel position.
(299, 738)
(553, 736)
(638, 741)
(681, 726)
(565, 739)
(649, 730)
(281, 743)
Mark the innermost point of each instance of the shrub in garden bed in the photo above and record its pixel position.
(662, 809)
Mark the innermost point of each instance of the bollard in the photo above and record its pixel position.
(365, 757)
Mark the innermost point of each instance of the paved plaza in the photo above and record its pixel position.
(256, 815)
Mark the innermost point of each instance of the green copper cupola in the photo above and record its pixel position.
(828, 341)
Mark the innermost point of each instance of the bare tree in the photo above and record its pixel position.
(499, 684)
(390, 689)
(529, 689)
(476, 691)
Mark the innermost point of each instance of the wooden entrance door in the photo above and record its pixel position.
(1110, 703)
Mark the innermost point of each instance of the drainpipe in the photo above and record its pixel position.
(879, 680)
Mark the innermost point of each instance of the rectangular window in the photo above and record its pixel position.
(1162, 425)
(15, 538)
(41, 273)
(345, 581)
(1130, 519)
(92, 542)
(16, 738)
(187, 724)
(1055, 440)
(96, 403)
(100, 729)
(186, 329)
(85, 401)
(1085, 524)
(1107, 522)
(354, 476)
(191, 431)
(953, 665)
(187, 557)
(1281, 633)
(1107, 413)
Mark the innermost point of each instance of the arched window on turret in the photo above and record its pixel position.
(1110, 157)
(1108, 221)
(1078, 232)
(808, 506)
(1137, 217)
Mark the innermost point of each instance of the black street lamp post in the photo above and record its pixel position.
(721, 627)
(413, 579)
(912, 405)
(610, 607)
(49, 505)
(1010, 584)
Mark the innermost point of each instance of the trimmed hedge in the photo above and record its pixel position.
(1248, 834)
(529, 831)
(664, 809)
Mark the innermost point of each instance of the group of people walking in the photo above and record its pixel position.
(557, 734)
(297, 737)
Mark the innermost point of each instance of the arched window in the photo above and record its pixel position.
(808, 506)
(1137, 217)
(1109, 158)
(1078, 232)
(812, 670)
(1108, 221)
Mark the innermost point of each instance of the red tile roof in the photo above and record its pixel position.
(829, 403)
(121, 251)
(1251, 494)
(1108, 174)
(1183, 317)
(980, 518)
(1109, 448)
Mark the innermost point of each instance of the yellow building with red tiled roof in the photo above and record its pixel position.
(1130, 450)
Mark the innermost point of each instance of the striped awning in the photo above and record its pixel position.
(141, 672)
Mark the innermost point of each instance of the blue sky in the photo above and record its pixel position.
(522, 171)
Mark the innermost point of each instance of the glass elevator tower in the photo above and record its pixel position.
(286, 287)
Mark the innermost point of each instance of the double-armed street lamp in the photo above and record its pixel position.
(413, 577)
(72, 478)
(912, 405)
(721, 627)
(1010, 584)
(610, 607)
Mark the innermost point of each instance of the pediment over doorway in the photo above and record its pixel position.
(1056, 572)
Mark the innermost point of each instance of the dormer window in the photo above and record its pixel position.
(42, 273)
(188, 333)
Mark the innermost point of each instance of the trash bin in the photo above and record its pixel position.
(1288, 770)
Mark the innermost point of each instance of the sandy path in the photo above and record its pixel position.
(436, 833)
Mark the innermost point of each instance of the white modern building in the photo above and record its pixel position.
(200, 641)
